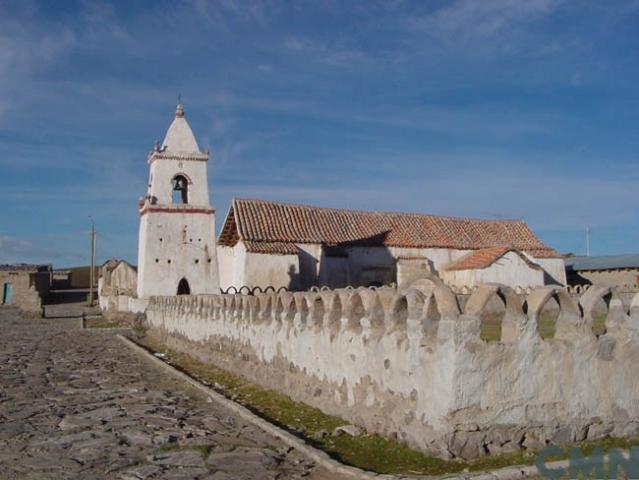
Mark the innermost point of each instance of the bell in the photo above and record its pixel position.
(180, 184)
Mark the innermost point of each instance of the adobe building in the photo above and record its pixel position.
(176, 249)
(116, 284)
(607, 270)
(265, 243)
(25, 286)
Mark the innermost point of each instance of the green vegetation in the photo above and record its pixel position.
(103, 324)
(491, 326)
(369, 452)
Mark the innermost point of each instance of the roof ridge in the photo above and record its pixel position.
(379, 212)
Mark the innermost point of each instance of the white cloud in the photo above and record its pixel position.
(17, 250)
(466, 21)
(248, 11)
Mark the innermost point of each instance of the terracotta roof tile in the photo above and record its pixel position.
(278, 248)
(485, 258)
(267, 221)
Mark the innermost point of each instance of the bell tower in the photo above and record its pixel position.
(176, 249)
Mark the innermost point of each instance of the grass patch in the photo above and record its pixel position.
(599, 323)
(369, 452)
(491, 326)
(103, 324)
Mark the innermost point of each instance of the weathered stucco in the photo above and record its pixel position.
(118, 281)
(510, 269)
(378, 265)
(29, 288)
(628, 277)
(411, 363)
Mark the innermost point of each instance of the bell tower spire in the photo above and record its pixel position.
(177, 222)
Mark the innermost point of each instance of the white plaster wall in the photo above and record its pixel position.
(400, 376)
(271, 270)
(625, 278)
(510, 270)
(334, 272)
(232, 265)
(162, 171)
(170, 245)
(440, 257)
(555, 267)
(365, 265)
(309, 258)
(124, 279)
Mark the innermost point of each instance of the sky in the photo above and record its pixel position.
(493, 109)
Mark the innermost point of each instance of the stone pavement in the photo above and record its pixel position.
(78, 404)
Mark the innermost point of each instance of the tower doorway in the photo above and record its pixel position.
(183, 287)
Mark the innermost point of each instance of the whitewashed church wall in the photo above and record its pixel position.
(175, 246)
(555, 268)
(162, 173)
(232, 265)
(510, 270)
(272, 271)
(309, 258)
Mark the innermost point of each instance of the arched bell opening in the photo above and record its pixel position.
(180, 190)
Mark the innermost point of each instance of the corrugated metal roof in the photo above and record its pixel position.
(605, 262)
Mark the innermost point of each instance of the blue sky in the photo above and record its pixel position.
(493, 108)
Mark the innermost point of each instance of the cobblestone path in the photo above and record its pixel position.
(78, 404)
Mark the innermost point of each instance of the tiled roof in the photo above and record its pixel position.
(485, 258)
(278, 248)
(267, 221)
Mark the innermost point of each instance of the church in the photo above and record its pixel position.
(265, 243)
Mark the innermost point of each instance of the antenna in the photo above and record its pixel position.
(587, 241)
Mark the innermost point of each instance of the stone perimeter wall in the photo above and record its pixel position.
(411, 363)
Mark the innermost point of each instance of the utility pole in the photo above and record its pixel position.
(92, 271)
(587, 241)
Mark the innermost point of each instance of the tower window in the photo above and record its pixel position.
(180, 190)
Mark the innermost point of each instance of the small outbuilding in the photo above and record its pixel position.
(25, 286)
(608, 270)
(116, 284)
